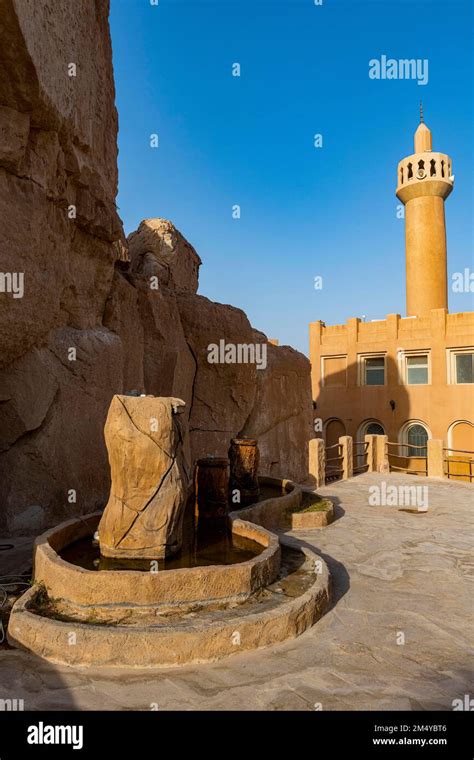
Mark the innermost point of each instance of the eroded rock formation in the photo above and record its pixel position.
(147, 444)
(58, 158)
(91, 324)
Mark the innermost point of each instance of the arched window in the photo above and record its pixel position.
(433, 168)
(414, 433)
(368, 427)
(417, 435)
(373, 428)
(410, 170)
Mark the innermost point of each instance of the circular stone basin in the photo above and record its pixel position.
(139, 618)
(110, 637)
(203, 582)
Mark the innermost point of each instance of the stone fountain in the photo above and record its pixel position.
(146, 593)
(148, 451)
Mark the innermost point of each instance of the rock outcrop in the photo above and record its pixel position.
(84, 313)
(281, 417)
(146, 440)
(58, 165)
(157, 248)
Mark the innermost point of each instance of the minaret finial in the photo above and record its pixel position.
(422, 118)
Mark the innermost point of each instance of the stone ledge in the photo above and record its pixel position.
(316, 519)
(276, 513)
(138, 647)
(272, 513)
(184, 585)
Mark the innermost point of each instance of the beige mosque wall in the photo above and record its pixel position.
(343, 395)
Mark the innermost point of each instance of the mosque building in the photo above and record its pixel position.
(410, 378)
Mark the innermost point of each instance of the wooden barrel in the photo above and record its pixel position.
(244, 460)
(212, 487)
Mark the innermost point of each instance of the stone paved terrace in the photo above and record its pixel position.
(393, 572)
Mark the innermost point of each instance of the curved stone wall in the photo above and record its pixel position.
(193, 640)
(272, 513)
(99, 587)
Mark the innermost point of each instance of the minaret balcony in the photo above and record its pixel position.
(427, 173)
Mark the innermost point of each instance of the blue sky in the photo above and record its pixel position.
(248, 140)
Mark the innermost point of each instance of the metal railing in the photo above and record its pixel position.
(360, 455)
(409, 470)
(332, 471)
(468, 462)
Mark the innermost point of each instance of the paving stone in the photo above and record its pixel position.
(394, 572)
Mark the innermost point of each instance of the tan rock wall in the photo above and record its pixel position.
(57, 150)
(281, 416)
(126, 330)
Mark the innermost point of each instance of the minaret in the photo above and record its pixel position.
(424, 182)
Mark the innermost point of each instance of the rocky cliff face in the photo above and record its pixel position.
(58, 157)
(78, 322)
(223, 399)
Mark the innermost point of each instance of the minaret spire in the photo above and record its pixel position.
(424, 182)
(422, 134)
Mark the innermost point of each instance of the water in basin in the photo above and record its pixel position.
(209, 542)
